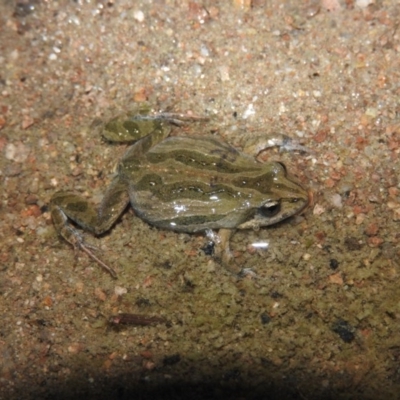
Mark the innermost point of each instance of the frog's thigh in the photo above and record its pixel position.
(223, 251)
(67, 205)
(113, 204)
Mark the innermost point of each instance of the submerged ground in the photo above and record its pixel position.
(322, 317)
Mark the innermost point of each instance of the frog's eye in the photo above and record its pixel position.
(270, 210)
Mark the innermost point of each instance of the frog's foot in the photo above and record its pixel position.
(87, 249)
(78, 242)
(173, 118)
(284, 142)
(228, 261)
(67, 206)
(179, 119)
(224, 254)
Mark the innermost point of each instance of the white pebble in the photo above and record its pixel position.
(249, 111)
(364, 3)
(17, 152)
(336, 200)
(138, 15)
(119, 291)
(318, 209)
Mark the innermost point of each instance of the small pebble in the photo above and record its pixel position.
(17, 152)
(119, 290)
(138, 15)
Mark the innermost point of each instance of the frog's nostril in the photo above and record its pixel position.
(283, 166)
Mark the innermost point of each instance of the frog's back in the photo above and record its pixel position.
(201, 154)
(185, 184)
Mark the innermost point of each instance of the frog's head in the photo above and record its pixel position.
(278, 196)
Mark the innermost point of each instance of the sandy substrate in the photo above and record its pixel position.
(321, 318)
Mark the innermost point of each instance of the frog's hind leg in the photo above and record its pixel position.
(66, 206)
(257, 143)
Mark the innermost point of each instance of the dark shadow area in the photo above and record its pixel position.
(175, 384)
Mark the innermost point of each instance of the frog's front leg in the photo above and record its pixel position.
(67, 206)
(285, 143)
(224, 254)
(223, 251)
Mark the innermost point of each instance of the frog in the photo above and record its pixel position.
(182, 183)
